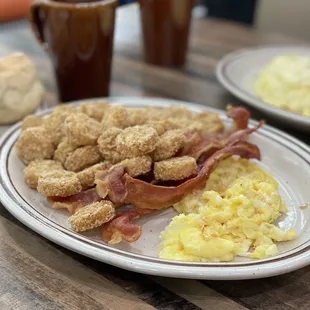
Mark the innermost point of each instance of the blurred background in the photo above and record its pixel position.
(267, 15)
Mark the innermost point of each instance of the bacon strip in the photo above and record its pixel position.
(240, 116)
(75, 202)
(122, 228)
(149, 196)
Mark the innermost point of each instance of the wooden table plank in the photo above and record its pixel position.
(44, 276)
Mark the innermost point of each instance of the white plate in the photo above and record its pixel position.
(237, 72)
(287, 158)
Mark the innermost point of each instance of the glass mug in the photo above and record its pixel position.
(78, 36)
(165, 27)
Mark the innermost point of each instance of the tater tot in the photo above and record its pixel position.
(176, 168)
(60, 183)
(54, 122)
(34, 143)
(177, 112)
(81, 130)
(95, 110)
(107, 145)
(92, 216)
(115, 116)
(210, 122)
(137, 166)
(31, 121)
(87, 176)
(33, 171)
(135, 116)
(64, 148)
(137, 141)
(82, 157)
(169, 144)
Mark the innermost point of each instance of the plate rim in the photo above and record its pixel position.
(137, 264)
(252, 100)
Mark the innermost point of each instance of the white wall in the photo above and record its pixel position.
(290, 17)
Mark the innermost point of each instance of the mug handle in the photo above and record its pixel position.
(36, 20)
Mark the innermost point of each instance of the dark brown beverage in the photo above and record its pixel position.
(78, 36)
(166, 25)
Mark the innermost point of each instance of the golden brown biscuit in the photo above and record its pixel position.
(82, 158)
(33, 171)
(81, 130)
(169, 144)
(136, 141)
(115, 116)
(107, 145)
(34, 143)
(137, 166)
(92, 216)
(176, 168)
(60, 183)
(87, 176)
(64, 148)
(31, 121)
(95, 110)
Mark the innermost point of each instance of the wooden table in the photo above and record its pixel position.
(37, 274)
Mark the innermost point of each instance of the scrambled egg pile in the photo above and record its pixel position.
(231, 216)
(285, 83)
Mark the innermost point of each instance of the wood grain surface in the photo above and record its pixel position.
(37, 274)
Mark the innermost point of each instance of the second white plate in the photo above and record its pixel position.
(238, 70)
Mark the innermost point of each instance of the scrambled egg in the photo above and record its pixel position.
(285, 83)
(231, 216)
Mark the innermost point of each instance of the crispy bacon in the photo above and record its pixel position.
(149, 196)
(75, 202)
(240, 116)
(122, 228)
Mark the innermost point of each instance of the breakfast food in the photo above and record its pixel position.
(231, 216)
(93, 160)
(284, 83)
(35, 143)
(33, 171)
(21, 91)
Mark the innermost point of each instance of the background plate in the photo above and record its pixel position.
(238, 70)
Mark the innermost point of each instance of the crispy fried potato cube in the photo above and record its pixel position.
(177, 113)
(65, 110)
(34, 143)
(169, 144)
(92, 216)
(95, 110)
(210, 122)
(107, 145)
(138, 165)
(176, 168)
(137, 141)
(31, 121)
(82, 158)
(58, 183)
(33, 171)
(87, 176)
(54, 122)
(161, 126)
(64, 148)
(81, 130)
(135, 116)
(115, 116)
